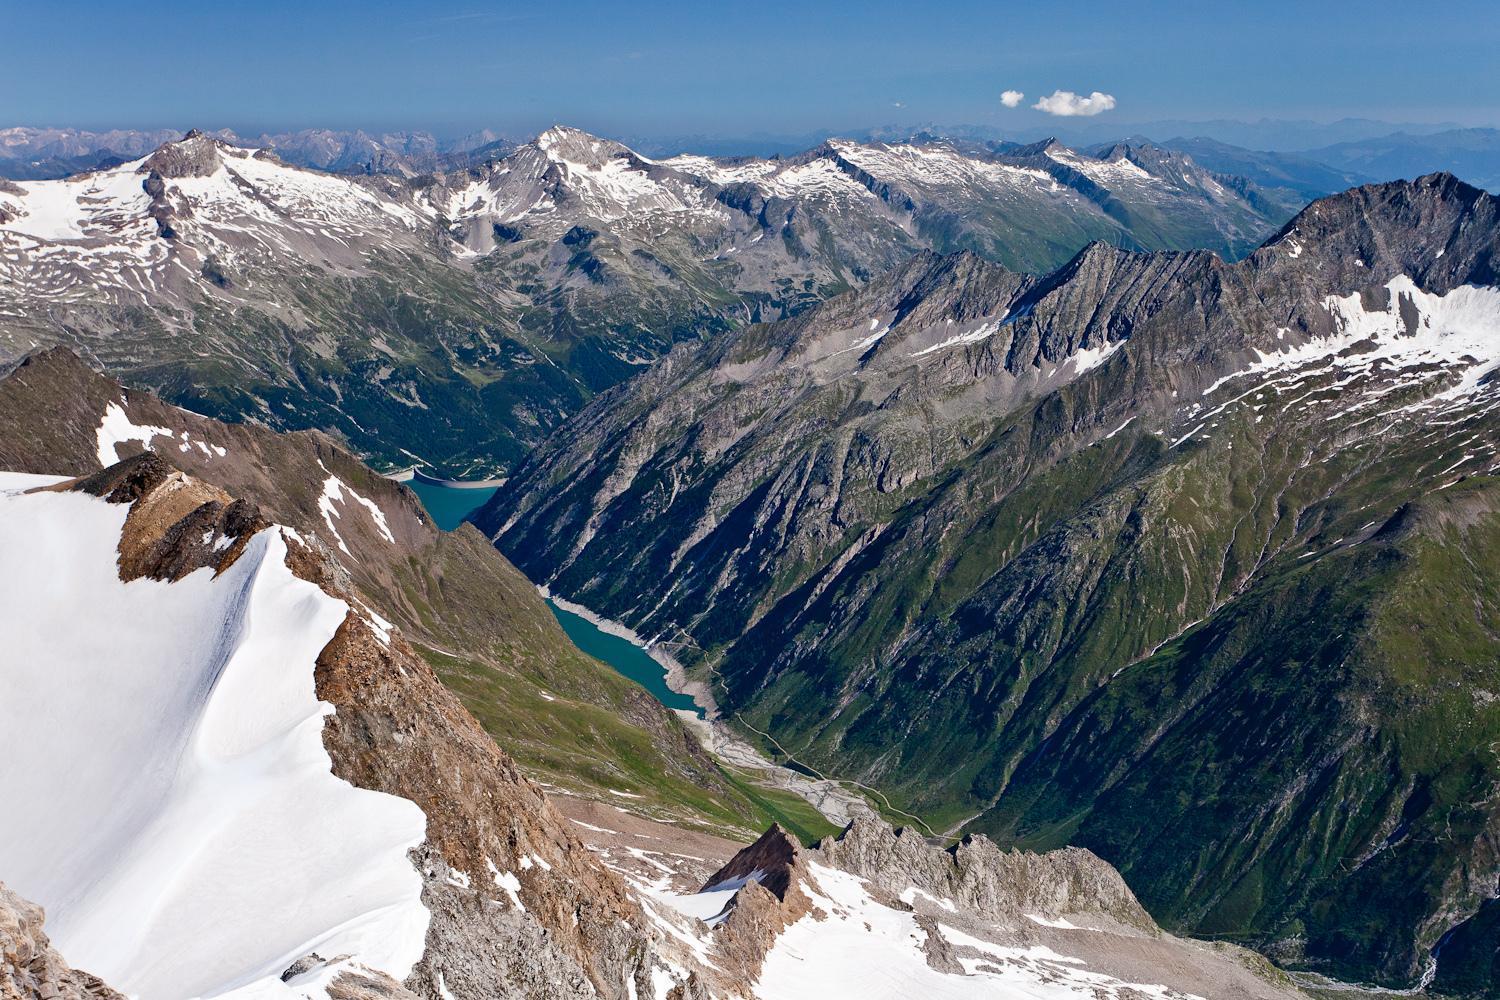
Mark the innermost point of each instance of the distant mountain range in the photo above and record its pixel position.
(1471, 153)
(1297, 173)
(1279, 135)
(452, 320)
(48, 153)
(1313, 157)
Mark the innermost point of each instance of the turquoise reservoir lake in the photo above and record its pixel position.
(449, 505)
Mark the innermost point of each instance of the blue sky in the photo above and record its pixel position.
(724, 69)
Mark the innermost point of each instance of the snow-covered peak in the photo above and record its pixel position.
(191, 218)
(568, 144)
(1045, 147)
(1107, 172)
(565, 166)
(942, 166)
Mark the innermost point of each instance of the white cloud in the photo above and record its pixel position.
(1011, 98)
(1068, 104)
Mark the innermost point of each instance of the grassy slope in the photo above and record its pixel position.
(495, 643)
(586, 747)
(1369, 663)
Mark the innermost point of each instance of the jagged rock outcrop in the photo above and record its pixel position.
(770, 875)
(196, 155)
(30, 968)
(769, 862)
(985, 880)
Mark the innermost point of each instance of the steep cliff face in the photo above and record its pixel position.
(1156, 555)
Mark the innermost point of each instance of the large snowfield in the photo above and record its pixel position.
(169, 798)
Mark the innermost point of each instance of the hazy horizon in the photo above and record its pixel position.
(1279, 134)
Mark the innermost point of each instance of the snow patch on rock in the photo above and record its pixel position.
(334, 491)
(116, 428)
(1460, 328)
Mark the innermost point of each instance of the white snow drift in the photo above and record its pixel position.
(169, 798)
(116, 428)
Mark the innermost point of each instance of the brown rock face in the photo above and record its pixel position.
(176, 524)
(771, 858)
(398, 730)
(747, 935)
(771, 900)
(30, 969)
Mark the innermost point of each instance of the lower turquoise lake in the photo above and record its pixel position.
(625, 656)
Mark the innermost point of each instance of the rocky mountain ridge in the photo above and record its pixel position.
(1140, 556)
(30, 966)
(571, 721)
(875, 910)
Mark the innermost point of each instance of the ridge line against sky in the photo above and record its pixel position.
(671, 68)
